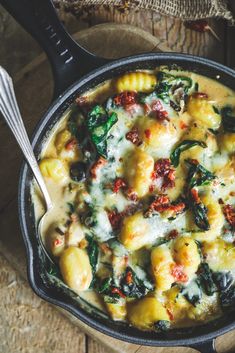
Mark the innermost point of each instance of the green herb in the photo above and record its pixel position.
(136, 288)
(193, 292)
(168, 83)
(104, 285)
(206, 279)
(228, 118)
(200, 215)
(93, 253)
(99, 124)
(162, 325)
(227, 298)
(223, 280)
(198, 175)
(183, 146)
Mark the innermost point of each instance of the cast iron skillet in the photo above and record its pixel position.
(72, 63)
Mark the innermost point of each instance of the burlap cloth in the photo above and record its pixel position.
(184, 9)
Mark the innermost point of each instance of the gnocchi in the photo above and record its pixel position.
(203, 112)
(162, 262)
(75, 268)
(136, 81)
(134, 232)
(146, 312)
(139, 172)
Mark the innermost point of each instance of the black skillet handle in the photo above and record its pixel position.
(68, 59)
(205, 347)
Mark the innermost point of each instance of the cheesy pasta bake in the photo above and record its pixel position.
(141, 173)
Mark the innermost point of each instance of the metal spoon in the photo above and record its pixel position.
(10, 111)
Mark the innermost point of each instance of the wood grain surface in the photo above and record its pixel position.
(28, 324)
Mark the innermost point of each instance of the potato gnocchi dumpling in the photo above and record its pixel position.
(76, 269)
(219, 254)
(136, 81)
(134, 232)
(185, 253)
(141, 174)
(54, 169)
(146, 313)
(162, 263)
(139, 169)
(203, 112)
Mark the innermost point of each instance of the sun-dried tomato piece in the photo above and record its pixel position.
(183, 125)
(178, 274)
(195, 196)
(159, 111)
(162, 204)
(129, 277)
(115, 219)
(118, 291)
(163, 169)
(97, 165)
(147, 133)
(125, 98)
(133, 136)
(147, 108)
(229, 213)
(118, 184)
(173, 234)
(131, 195)
(71, 144)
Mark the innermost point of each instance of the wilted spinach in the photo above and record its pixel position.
(173, 88)
(99, 124)
(183, 146)
(198, 175)
(228, 119)
(134, 287)
(200, 215)
(162, 325)
(193, 292)
(93, 253)
(206, 279)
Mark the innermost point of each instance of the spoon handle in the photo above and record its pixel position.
(10, 111)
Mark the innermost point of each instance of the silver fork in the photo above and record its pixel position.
(11, 113)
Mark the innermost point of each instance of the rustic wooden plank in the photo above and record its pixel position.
(94, 347)
(141, 19)
(30, 325)
(180, 39)
(230, 35)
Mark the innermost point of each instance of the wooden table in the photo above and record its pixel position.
(17, 48)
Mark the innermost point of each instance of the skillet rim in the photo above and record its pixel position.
(22, 187)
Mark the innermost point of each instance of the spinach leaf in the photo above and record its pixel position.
(168, 85)
(198, 175)
(228, 119)
(206, 279)
(183, 146)
(99, 123)
(134, 287)
(93, 253)
(200, 215)
(193, 292)
(105, 288)
(162, 325)
(227, 298)
(223, 280)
